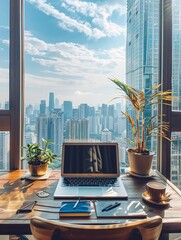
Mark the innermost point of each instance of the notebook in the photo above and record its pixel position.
(119, 209)
(90, 170)
(67, 209)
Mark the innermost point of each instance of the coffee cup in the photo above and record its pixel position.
(156, 190)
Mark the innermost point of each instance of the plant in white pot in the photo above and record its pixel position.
(38, 157)
(140, 158)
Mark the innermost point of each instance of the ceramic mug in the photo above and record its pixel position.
(155, 190)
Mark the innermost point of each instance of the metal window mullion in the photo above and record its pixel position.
(15, 75)
(165, 74)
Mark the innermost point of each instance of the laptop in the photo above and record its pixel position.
(90, 170)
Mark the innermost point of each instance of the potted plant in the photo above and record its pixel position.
(38, 157)
(140, 158)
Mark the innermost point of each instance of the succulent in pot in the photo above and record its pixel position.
(38, 157)
(143, 127)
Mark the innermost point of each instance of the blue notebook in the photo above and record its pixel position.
(83, 209)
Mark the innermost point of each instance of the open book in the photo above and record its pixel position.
(122, 209)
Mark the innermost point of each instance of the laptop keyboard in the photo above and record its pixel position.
(103, 182)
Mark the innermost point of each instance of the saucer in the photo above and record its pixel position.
(44, 177)
(147, 198)
(151, 174)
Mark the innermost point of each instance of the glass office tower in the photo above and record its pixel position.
(176, 87)
(142, 63)
(142, 51)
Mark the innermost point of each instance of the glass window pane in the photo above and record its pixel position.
(142, 58)
(4, 54)
(176, 159)
(4, 150)
(70, 52)
(176, 54)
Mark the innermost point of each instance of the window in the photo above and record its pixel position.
(70, 52)
(4, 83)
(40, 53)
(10, 79)
(4, 54)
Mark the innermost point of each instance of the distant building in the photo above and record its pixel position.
(77, 129)
(4, 150)
(67, 110)
(83, 111)
(42, 128)
(106, 135)
(55, 130)
(43, 108)
(51, 102)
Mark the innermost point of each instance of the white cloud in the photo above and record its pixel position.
(4, 91)
(70, 59)
(65, 21)
(5, 41)
(4, 73)
(81, 93)
(98, 27)
(100, 14)
(73, 71)
(4, 27)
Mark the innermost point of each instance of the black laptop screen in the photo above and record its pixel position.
(90, 159)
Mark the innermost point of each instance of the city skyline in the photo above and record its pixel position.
(82, 45)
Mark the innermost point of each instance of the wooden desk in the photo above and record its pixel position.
(14, 191)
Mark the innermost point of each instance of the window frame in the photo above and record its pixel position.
(165, 76)
(12, 120)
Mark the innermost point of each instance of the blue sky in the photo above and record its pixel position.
(72, 47)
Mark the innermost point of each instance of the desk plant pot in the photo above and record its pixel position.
(38, 170)
(140, 163)
(38, 157)
(142, 126)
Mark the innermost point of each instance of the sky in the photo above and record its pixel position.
(72, 48)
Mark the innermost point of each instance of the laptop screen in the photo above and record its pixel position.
(90, 159)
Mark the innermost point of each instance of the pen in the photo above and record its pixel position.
(76, 203)
(116, 204)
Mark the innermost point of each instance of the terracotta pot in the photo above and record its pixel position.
(139, 163)
(38, 170)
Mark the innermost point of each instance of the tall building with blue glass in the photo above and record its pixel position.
(142, 51)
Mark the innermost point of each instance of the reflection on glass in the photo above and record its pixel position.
(176, 159)
(90, 158)
(4, 150)
(4, 54)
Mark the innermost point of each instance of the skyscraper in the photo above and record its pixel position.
(4, 150)
(77, 129)
(51, 102)
(83, 111)
(106, 135)
(67, 110)
(55, 130)
(43, 108)
(142, 51)
(176, 54)
(176, 89)
(42, 128)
